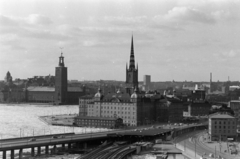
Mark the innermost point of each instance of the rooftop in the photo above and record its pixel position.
(51, 89)
(220, 116)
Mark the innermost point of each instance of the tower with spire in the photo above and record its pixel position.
(131, 73)
(60, 82)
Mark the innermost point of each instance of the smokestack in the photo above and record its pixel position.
(211, 77)
(210, 82)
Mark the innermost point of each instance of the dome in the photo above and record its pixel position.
(134, 95)
(98, 94)
(118, 92)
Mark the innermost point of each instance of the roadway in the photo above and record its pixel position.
(192, 142)
(7, 144)
(48, 140)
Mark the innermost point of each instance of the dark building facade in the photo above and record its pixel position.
(61, 85)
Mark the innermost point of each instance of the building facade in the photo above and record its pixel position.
(222, 127)
(199, 108)
(235, 106)
(83, 121)
(146, 83)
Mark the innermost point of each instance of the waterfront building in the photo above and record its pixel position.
(222, 127)
(60, 93)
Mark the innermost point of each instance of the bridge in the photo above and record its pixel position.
(50, 143)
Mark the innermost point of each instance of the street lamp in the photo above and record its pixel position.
(1, 140)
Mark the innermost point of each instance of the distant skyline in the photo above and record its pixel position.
(173, 39)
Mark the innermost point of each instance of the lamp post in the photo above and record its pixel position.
(195, 147)
(1, 140)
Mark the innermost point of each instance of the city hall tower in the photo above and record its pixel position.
(61, 82)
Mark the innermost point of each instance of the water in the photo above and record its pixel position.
(22, 120)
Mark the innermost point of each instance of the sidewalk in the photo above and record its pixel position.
(222, 147)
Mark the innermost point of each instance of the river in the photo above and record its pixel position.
(22, 120)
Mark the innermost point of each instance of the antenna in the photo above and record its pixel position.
(61, 50)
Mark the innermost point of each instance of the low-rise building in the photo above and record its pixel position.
(98, 122)
(222, 127)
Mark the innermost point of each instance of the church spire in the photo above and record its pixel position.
(132, 61)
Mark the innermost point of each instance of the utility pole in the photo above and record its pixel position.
(215, 153)
(195, 147)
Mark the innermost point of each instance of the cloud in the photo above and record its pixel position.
(12, 41)
(186, 14)
(121, 20)
(7, 21)
(38, 19)
(231, 53)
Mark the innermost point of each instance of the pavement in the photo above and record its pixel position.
(220, 147)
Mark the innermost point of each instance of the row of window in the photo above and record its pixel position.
(119, 112)
(224, 131)
(224, 127)
(109, 107)
(224, 122)
(112, 115)
(94, 121)
(111, 103)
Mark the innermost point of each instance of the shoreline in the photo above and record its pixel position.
(35, 104)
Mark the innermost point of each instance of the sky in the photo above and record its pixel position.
(173, 39)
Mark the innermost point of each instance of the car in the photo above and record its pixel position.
(54, 137)
(61, 136)
(32, 139)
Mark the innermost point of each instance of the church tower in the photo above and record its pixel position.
(61, 82)
(131, 73)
